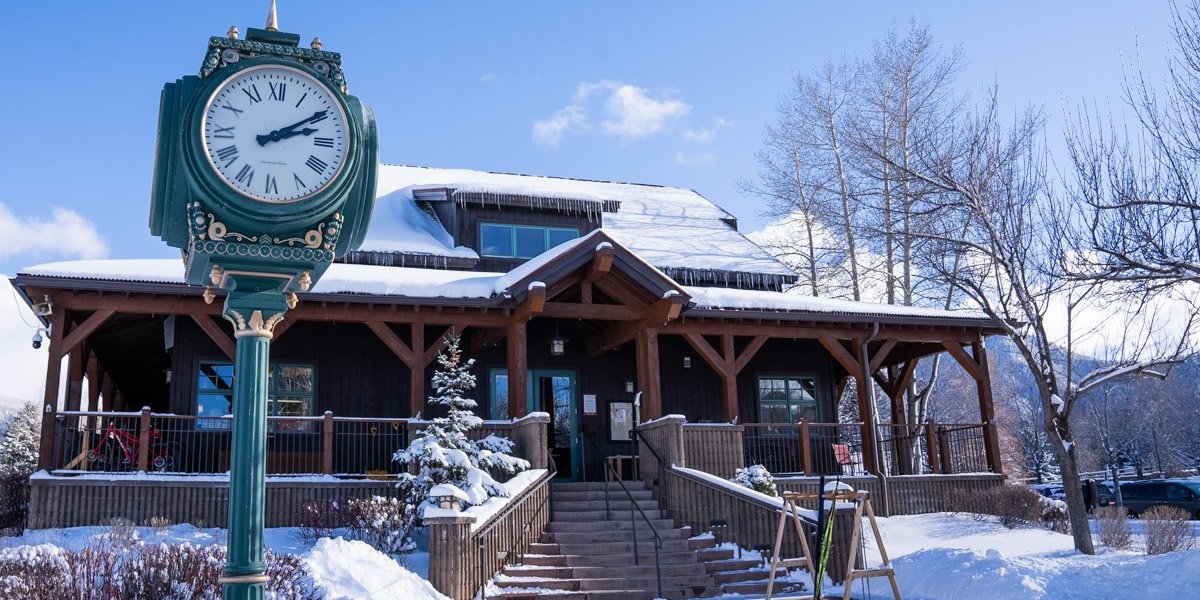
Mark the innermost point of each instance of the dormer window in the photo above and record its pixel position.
(506, 240)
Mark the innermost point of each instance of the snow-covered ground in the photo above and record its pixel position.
(341, 569)
(950, 556)
(937, 556)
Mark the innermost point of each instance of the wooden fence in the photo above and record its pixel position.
(201, 500)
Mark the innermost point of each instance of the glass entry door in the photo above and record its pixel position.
(554, 392)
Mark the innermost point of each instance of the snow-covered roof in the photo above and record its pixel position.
(728, 299)
(669, 227)
(416, 284)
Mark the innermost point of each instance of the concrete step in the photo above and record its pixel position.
(698, 585)
(702, 543)
(601, 515)
(646, 569)
(582, 496)
(589, 526)
(593, 486)
(668, 594)
(733, 564)
(622, 504)
(755, 574)
(600, 536)
(711, 554)
(623, 547)
(760, 587)
(608, 560)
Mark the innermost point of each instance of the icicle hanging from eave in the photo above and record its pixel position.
(399, 259)
(591, 209)
(771, 282)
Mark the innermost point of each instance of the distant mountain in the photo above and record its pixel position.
(22, 369)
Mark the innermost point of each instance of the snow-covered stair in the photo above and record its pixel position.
(587, 554)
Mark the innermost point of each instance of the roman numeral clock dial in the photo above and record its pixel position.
(274, 134)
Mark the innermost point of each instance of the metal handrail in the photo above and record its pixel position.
(526, 527)
(633, 505)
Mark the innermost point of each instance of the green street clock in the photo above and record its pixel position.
(264, 174)
(264, 161)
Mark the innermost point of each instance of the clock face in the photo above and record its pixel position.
(274, 134)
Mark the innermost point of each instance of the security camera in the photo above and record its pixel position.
(37, 337)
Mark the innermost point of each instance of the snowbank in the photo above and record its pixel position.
(352, 570)
(944, 556)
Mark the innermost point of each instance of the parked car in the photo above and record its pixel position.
(1104, 493)
(1181, 493)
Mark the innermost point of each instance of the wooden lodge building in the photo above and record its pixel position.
(604, 305)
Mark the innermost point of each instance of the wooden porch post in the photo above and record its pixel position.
(416, 380)
(859, 368)
(648, 377)
(805, 447)
(518, 366)
(986, 408)
(58, 330)
(75, 372)
(729, 378)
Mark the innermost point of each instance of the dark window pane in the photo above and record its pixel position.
(531, 241)
(499, 407)
(495, 240)
(560, 236)
(290, 378)
(216, 376)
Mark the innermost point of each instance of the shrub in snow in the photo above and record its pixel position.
(757, 478)
(443, 453)
(1112, 527)
(139, 572)
(1014, 505)
(318, 519)
(1168, 529)
(384, 523)
(19, 435)
(1054, 515)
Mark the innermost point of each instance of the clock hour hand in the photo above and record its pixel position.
(286, 132)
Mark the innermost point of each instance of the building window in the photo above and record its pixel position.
(521, 241)
(786, 398)
(290, 391)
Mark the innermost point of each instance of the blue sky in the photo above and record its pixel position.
(519, 87)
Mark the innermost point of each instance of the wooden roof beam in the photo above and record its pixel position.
(216, 334)
(601, 263)
(393, 342)
(969, 364)
(85, 329)
(533, 305)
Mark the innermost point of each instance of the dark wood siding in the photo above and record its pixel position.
(357, 376)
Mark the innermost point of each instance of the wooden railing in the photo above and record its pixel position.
(465, 555)
(806, 448)
(115, 442)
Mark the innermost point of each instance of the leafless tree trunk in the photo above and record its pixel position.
(1016, 249)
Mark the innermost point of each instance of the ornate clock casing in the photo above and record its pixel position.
(264, 162)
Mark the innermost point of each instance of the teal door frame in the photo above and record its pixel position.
(532, 390)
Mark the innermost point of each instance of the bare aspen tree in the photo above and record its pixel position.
(1019, 247)
(1142, 186)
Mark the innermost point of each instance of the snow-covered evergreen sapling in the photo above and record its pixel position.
(19, 435)
(757, 478)
(444, 453)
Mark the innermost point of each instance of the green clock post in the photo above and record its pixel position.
(264, 174)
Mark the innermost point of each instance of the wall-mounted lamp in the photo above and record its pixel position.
(628, 386)
(687, 362)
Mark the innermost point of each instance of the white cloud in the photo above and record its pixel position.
(486, 77)
(706, 134)
(66, 234)
(630, 112)
(693, 160)
(569, 119)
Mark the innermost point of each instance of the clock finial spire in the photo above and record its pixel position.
(272, 18)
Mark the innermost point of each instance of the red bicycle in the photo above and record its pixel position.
(118, 451)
